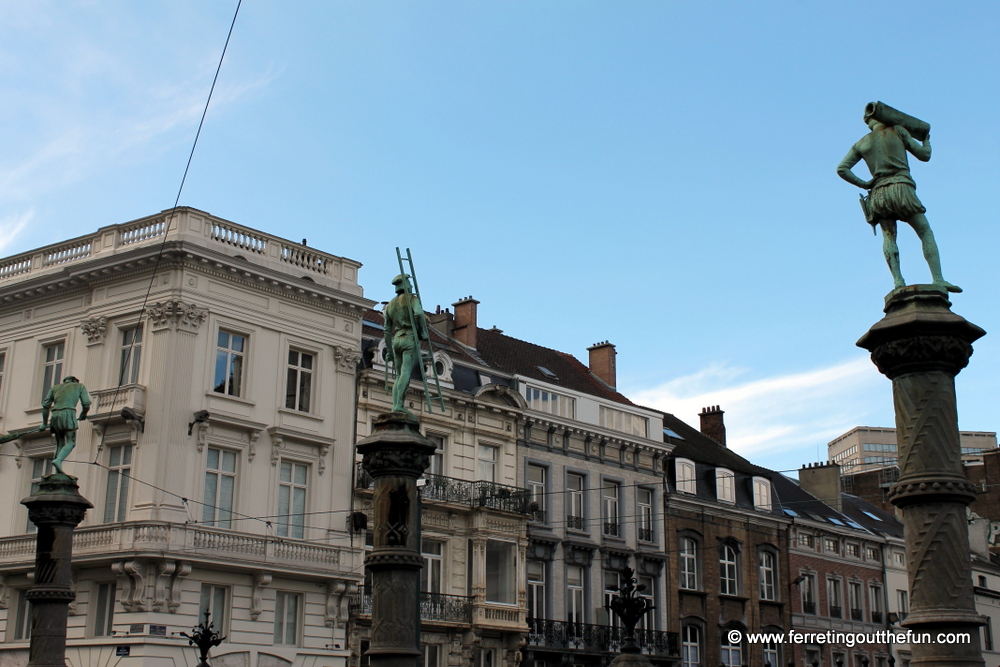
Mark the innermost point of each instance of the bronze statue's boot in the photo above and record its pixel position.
(948, 286)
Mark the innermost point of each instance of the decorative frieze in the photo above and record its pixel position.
(176, 314)
(95, 329)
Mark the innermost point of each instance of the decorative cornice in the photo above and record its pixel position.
(949, 354)
(347, 359)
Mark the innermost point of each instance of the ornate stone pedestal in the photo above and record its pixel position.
(395, 455)
(56, 508)
(921, 346)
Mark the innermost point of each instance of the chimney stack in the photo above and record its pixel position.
(602, 363)
(823, 481)
(443, 321)
(466, 325)
(713, 425)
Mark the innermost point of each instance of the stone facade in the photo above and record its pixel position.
(218, 450)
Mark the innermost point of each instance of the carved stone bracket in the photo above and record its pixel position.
(176, 314)
(95, 329)
(174, 597)
(165, 570)
(280, 434)
(71, 607)
(347, 359)
(4, 592)
(249, 432)
(260, 580)
(131, 584)
(338, 596)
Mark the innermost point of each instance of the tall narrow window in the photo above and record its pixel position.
(644, 500)
(22, 619)
(220, 482)
(437, 459)
(286, 618)
(298, 388)
(52, 367)
(104, 610)
(686, 482)
(691, 646)
(854, 600)
(536, 487)
(129, 355)
(875, 602)
(648, 591)
(430, 575)
(116, 492)
(501, 567)
(574, 594)
(39, 468)
(536, 589)
(213, 600)
(229, 363)
(432, 655)
(834, 598)
(3, 360)
(903, 603)
(488, 462)
(725, 488)
(807, 588)
(610, 495)
(766, 570)
(728, 581)
(988, 634)
(732, 651)
(292, 499)
(612, 581)
(574, 501)
(772, 654)
(762, 493)
(689, 564)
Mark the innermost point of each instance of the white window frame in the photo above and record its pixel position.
(612, 580)
(689, 570)
(576, 598)
(691, 645)
(212, 597)
(297, 374)
(130, 354)
(103, 611)
(725, 485)
(731, 653)
(762, 494)
(214, 512)
(686, 471)
(550, 402)
(284, 616)
(237, 387)
(767, 568)
(116, 487)
(437, 459)
(40, 467)
(536, 477)
(537, 604)
(624, 422)
(487, 462)
(729, 578)
(645, 512)
(56, 365)
(289, 522)
(432, 574)
(611, 492)
(576, 500)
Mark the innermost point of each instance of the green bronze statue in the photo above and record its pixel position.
(893, 195)
(60, 402)
(405, 328)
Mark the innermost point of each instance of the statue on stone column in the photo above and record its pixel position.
(405, 328)
(893, 195)
(59, 415)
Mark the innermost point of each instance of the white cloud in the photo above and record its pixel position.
(789, 416)
(11, 226)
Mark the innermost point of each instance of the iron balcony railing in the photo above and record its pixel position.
(857, 615)
(646, 534)
(809, 607)
(575, 522)
(434, 607)
(463, 492)
(836, 612)
(612, 529)
(607, 639)
(877, 617)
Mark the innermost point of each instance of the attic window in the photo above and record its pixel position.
(869, 514)
(836, 522)
(790, 512)
(672, 434)
(547, 373)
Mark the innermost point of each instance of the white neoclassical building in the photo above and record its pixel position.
(219, 450)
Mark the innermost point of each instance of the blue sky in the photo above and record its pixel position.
(657, 174)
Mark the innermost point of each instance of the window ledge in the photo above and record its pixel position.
(723, 596)
(691, 591)
(776, 603)
(305, 415)
(234, 399)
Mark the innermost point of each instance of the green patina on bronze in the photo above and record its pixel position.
(60, 403)
(892, 191)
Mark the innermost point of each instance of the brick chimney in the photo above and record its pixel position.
(466, 326)
(443, 321)
(823, 481)
(713, 425)
(602, 362)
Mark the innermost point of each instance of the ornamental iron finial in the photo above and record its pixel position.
(629, 608)
(205, 638)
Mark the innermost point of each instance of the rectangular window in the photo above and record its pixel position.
(430, 575)
(831, 545)
(220, 482)
(728, 569)
(875, 602)
(437, 460)
(535, 479)
(644, 500)
(130, 353)
(292, 499)
(903, 603)
(574, 501)
(22, 617)
(686, 482)
(772, 655)
(298, 388)
(689, 564)
(104, 610)
(762, 493)
(766, 572)
(854, 600)
(229, 363)
(610, 494)
(286, 618)
(691, 646)
(501, 572)
(574, 594)
(213, 600)
(988, 634)
(647, 591)
(536, 589)
(3, 360)
(488, 462)
(431, 655)
(873, 554)
(834, 598)
(853, 550)
(119, 473)
(612, 580)
(725, 487)
(39, 468)
(806, 540)
(625, 422)
(552, 403)
(52, 367)
(808, 590)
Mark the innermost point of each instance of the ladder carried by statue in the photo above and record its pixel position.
(406, 268)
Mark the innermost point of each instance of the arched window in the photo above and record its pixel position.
(689, 564)
(732, 652)
(762, 493)
(691, 646)
(685, 472)
(766, 571)
(728, 570)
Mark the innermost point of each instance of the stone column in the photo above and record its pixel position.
(395, 455)
(921, 346)
(56, 508)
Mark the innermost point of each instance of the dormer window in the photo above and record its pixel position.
(550, 402)
(762, 493)
(725, 487)
(624, 422)
(685, 472)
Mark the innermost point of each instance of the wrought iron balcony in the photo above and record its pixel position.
(836, 612)
(434, 607)
(877, 617)
(540, 516)
(857, 615)
(646, 534)
(809, 607)
(569, 635)
(612, 529)
(463, 492)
